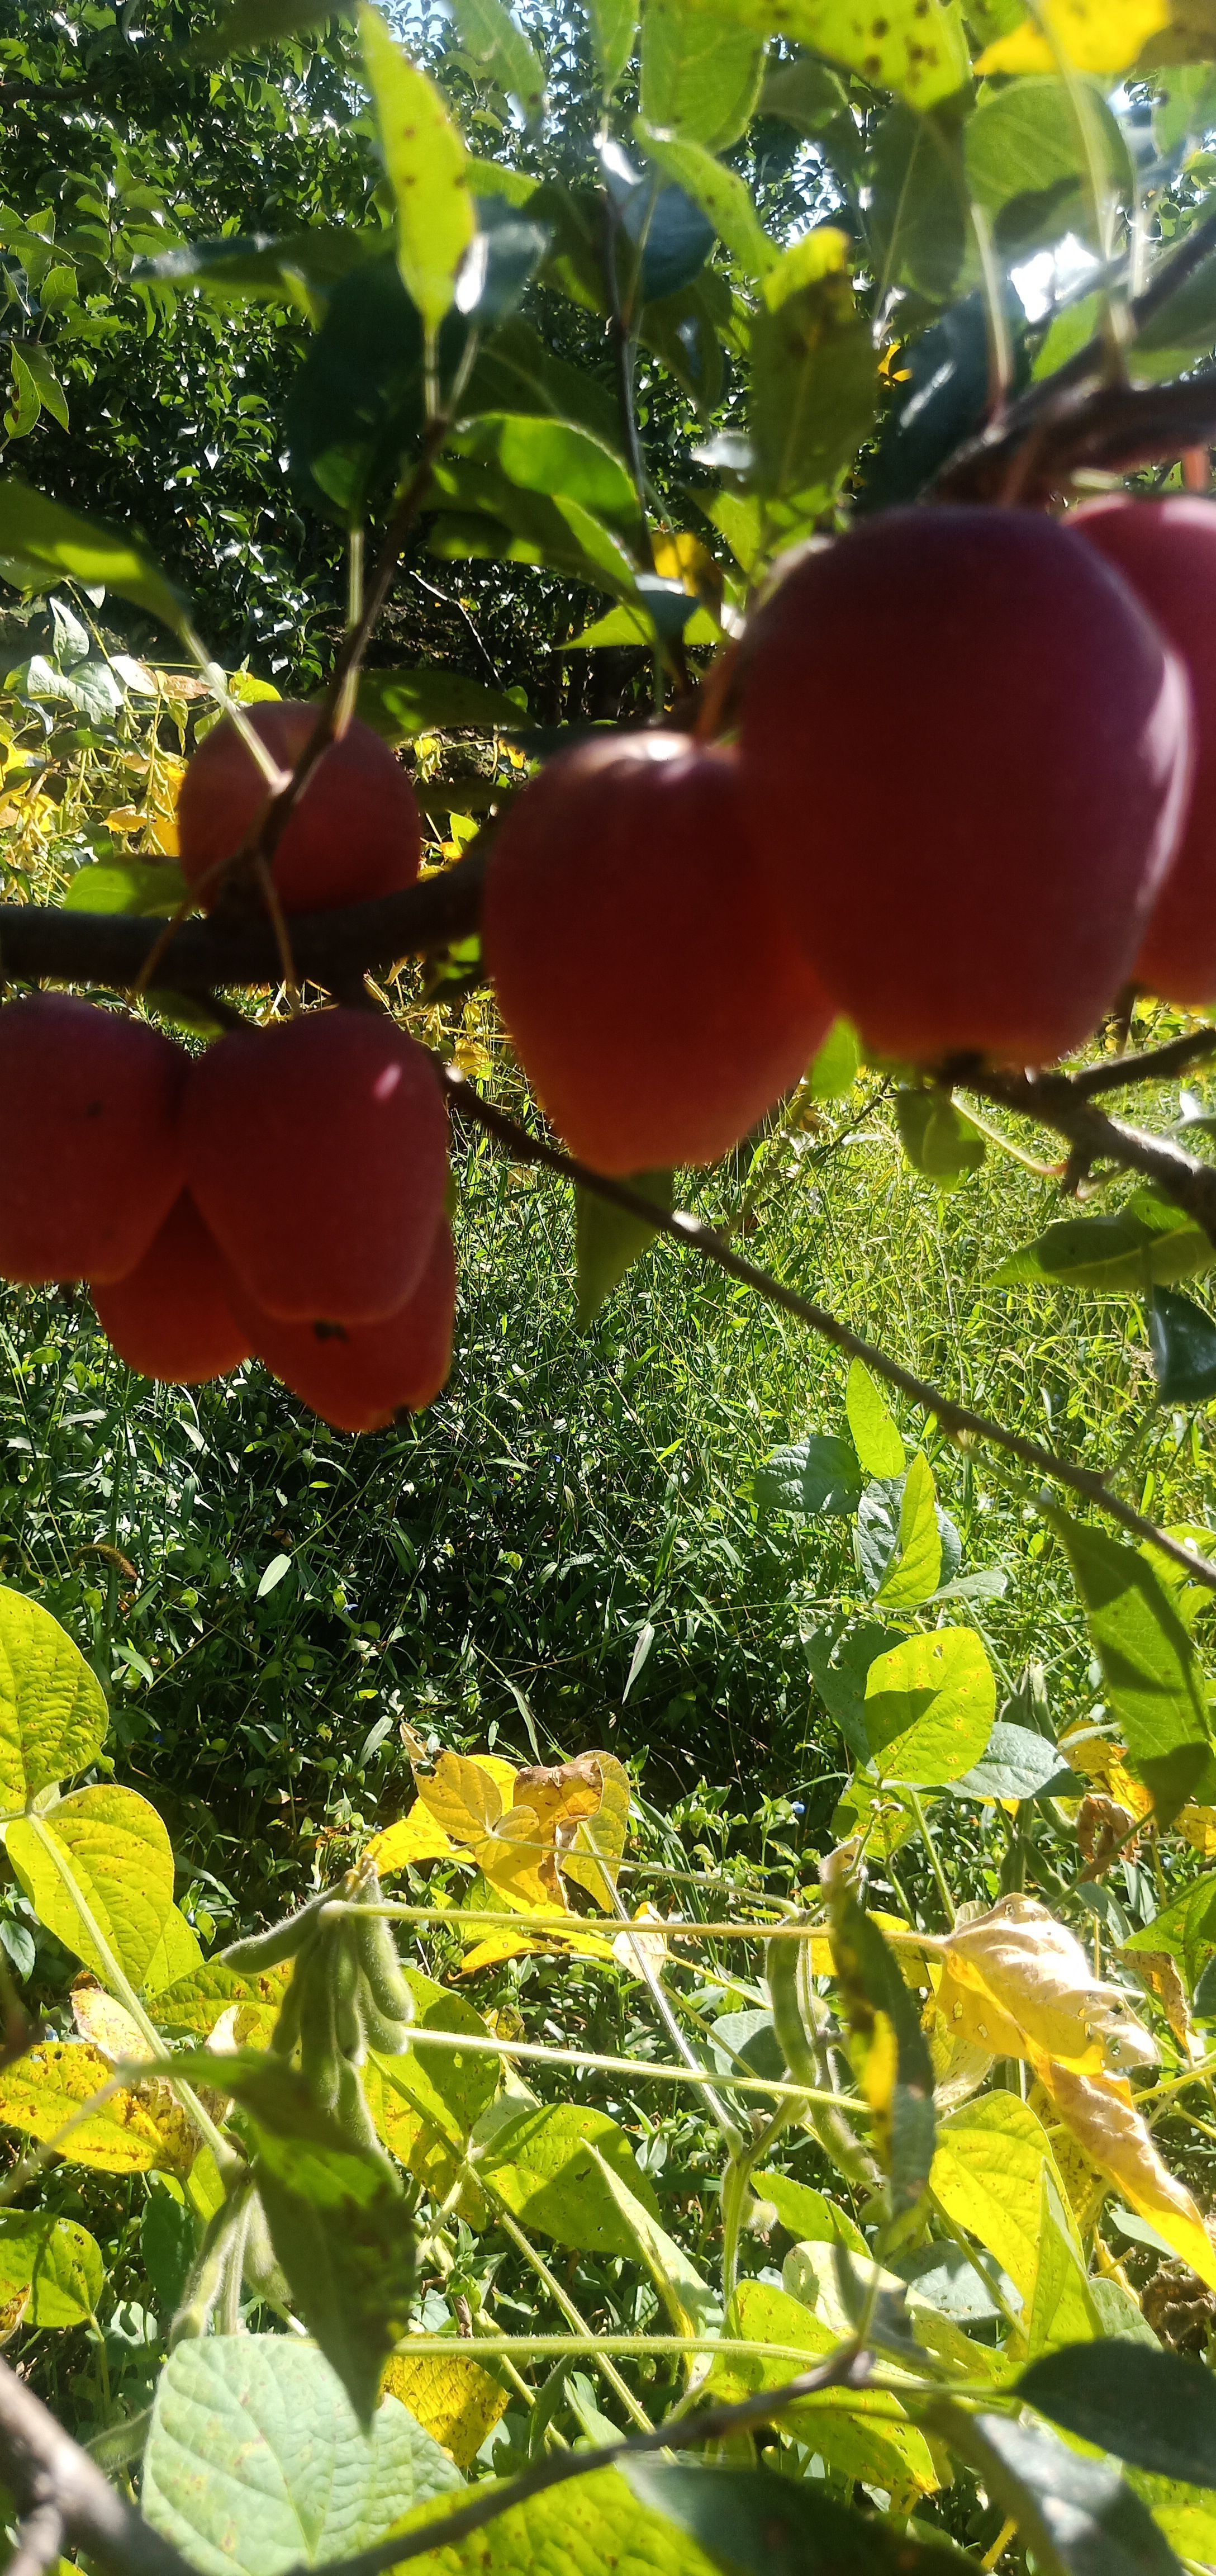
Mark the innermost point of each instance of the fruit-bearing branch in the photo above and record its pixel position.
(958, 1420)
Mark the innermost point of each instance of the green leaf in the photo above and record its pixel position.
(777, 2526)
(502, 53)
(50, 392)
(1077, 2515)
(98, 1871)
(250, 25)
(836, 1066)
(1184, 1930)
(877, 2002)
(255, 2462)
(1061, 2313)
(293, 268)
(1027, 163)
(937, 1140)
(1145, 1243)
(553, 457)
(53, 1713)
(25, 406)
(355, 409)
(808, 2214)
(840, 1663)
(56, 2261)
(814, 374)
(614, 25)
(196, 1998)
(608, 1240)
(494, 517)
(818, 1474)
(427, 166)
(1149, 1666)
(1182, 1340)
(1152, 2408)
(516, 372)
(915, 1570)
(58, 544)
(917, 48)
(930, 1706)
(916, 213)
(700, 74)
(400, 704)
(876, 1436)
(141, 886)
(449, 2091)
(177, 1954)
(539, 2164)
(723, 197)
(346, 2245)
(685, 332)
(1016, 1763)
(694, 2308)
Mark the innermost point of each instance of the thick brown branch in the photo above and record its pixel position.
(55, 2483)
(328, 947)
(956, 1419)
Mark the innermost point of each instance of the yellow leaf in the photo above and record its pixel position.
(1033, 1975)
(602, 1834)
(131, 2133)
(1104, 1761)
(1105, 36)
(682, 557)
(107, 2025)
(466, 1795)
(162, 835)
(125, 818)
(416, 1836)
(988, 2177)
(518, 1859)
(630, 1949)
(518, 1945)
(455, 2401)
(1198, 1827)
(1102, 2115)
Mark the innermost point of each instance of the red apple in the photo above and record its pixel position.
(317, 1152)
(92, 1158)
(1166, 550)
(967, 746)
(359, 1376)
(643, 966)
(354, 835)
(171, 1317)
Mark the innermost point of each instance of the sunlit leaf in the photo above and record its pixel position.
(132, 2132)
(98, 1870)
(427, 167)
(455, 2400)
(929, 1707)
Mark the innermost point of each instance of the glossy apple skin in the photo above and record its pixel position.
(171, 1317)
(317, 1153)
(967, 747)
(358, 1377)
(1166, 550)
(354, 835)
(92, 1155)
(645, 972)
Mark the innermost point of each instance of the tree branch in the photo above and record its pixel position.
(58, 2488)
(113, 948)
(1150, 1064)
(956, 1419)
(1057, 1101)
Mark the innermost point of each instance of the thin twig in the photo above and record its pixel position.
(1149, 1064)
(1054, 1100)
(958, 1420)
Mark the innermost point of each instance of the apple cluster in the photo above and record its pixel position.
(282, 1196)
(970, 794)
